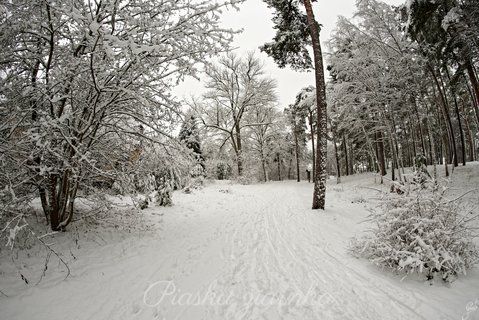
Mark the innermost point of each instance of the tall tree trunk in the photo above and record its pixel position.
(351, 158)
(345, 146)
(475, 87)
(394, 157)
(447, 117)
(279, 167)
(54, 214)
(398, 156)
(319, 194)
(382, 161)
(290, 166)
(336, 155)
(458, 116)
(433, 151)
(296, 152)
(376, 149)
(445, 147)
(311, 127)
(469, 134)
(414, 147)
(263, 165)
(371, 153)
(239, 151)
(421, 133)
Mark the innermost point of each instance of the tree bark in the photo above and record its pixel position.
(458, 115)
(239, 154)
(447, 117)
(469, 134)
(382, 161)
(345, 146)
(279, 167)
(312, 140)
(263, 164)
(296, 152)
(319, 194)
(475, 88)
(336, 155)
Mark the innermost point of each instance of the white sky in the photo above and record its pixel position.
(255, 19)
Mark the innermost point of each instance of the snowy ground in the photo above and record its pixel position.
(236, 252)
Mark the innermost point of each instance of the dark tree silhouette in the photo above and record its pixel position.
(295, 31)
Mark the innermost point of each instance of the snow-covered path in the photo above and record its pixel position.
(242, 252)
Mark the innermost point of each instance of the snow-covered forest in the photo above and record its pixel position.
(356, 199)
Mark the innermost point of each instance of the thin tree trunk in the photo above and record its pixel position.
(475, 87)
(263, 164)
(421, 133)
(458, 115)
(54, 215)
(296, 151)
(445, 147)
(239, 151)
(311, 127)
(445, 111)
(345, 146)
(279, 167)
(433, 150)
(336, 154)
(469, 134)
(290, 166)
(351, 159)
(382, 162)
(394, 157)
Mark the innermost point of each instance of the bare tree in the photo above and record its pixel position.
(269, 124)
(235, 86)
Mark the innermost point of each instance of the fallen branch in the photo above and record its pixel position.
(46, 245)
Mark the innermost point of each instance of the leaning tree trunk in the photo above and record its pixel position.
(319, 195)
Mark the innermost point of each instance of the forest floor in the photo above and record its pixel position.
(232, 251)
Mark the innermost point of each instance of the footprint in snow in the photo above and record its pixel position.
(135, 308)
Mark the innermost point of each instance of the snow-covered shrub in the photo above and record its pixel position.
(420, 231)
(421, 175)
(164, 192)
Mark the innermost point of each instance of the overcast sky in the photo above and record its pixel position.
(255, 19)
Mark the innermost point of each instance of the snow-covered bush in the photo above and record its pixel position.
(163, 196)
(420, 231)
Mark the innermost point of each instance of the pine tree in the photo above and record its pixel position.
(295, 31)
(189, 135)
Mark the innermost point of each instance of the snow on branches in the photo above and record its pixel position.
(422, 231)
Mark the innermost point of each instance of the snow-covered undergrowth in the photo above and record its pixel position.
(230, 251)
(420, 229)
(36, 255)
